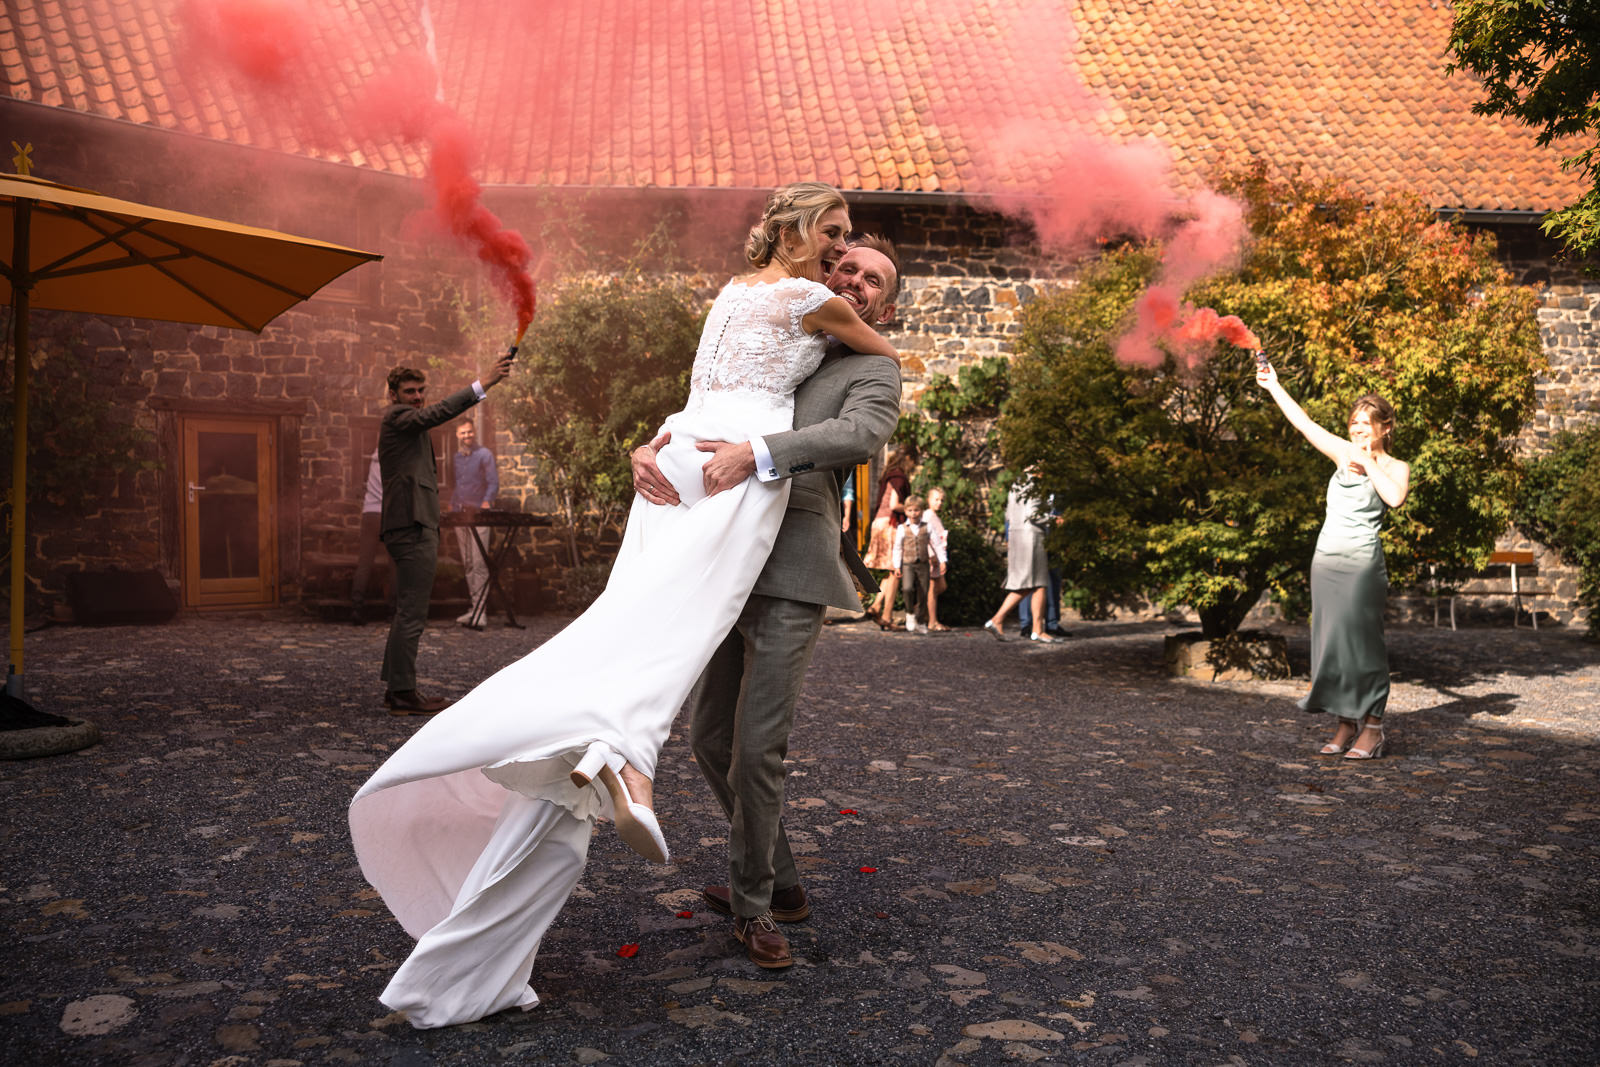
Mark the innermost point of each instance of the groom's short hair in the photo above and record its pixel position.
(884, 247)
(400, 375)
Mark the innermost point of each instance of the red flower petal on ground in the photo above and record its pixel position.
(848, 811)
(627, 952)
(869, 870)
(685, 914)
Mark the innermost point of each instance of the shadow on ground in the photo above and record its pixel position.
(1016, 852)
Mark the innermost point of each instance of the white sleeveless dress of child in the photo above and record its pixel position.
(472, 830)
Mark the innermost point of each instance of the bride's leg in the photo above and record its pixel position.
(477, 960)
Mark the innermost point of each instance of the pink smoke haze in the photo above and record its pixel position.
(992, 84)
(265, 40)
(1044, 144)
(276, 48)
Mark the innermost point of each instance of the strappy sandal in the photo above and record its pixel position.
(1334, 748)
(1374, 752)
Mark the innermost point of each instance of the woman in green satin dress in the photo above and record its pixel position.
(1349, 663)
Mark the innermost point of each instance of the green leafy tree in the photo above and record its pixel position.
(1540, 64)
(1559, 504)
(1187, 484)
(606, 360)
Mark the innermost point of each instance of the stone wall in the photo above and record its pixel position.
(965, 277)
(317, 371)
(1568, 395)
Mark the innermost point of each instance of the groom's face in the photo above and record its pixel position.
(863, 277)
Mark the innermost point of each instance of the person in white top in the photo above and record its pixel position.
(939, 576)
(367, 545)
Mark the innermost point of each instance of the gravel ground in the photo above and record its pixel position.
(1016, 853)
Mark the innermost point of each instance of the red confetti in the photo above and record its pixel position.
(627, 952)
(685, 914)
(848, 811)
(869, 870)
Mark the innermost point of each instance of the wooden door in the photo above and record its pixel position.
(230, 544)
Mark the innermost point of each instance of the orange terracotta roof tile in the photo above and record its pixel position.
(909, 97)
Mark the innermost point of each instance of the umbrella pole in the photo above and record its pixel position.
(20, 285)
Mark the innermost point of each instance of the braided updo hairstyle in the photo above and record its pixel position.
(796, 207)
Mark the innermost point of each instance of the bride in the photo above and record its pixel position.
(476, 830)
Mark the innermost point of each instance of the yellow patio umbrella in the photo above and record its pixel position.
(70, 249)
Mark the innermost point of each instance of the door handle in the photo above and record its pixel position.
(193, 489)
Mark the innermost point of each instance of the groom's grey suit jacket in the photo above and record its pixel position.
(843, 413)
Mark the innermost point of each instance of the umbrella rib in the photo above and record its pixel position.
(117, 236)
(188, 250)
(185, 250)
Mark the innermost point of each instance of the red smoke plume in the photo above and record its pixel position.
(687, 86)
(1043, 143)
(282, 49)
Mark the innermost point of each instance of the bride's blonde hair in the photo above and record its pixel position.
(796, 207)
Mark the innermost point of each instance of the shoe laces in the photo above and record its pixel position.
(764, 920)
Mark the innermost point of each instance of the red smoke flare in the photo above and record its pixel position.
(279, 48)
(1206, 325)
(457, 201)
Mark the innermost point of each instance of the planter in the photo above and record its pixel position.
(1239, 657)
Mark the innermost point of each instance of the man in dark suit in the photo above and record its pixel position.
(743, 706)
(410, 528)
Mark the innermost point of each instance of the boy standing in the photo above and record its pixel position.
(914, 548)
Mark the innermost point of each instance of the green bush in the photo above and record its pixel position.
(953, 434)
(582, 586)
(606, 360)
(977, 575)
(1559, 504)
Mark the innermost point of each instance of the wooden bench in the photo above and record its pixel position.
(1519, 589)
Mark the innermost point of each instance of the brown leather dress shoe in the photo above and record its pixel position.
(411, 702)
(788, 905)
(766, 947)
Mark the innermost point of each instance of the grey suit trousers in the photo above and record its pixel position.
(740, 737)
(415, 551)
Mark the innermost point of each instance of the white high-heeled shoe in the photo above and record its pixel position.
(636, 824)
(1371, 753)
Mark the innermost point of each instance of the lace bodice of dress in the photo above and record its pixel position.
(753, 351)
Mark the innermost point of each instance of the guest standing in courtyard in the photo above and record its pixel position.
(1349, 582)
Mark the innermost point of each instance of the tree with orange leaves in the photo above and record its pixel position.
(1178, 482)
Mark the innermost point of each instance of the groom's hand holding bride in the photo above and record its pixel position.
(733, 462)
(730, 466)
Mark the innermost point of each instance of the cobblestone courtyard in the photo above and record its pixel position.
(1016, 852)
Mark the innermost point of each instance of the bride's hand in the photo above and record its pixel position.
(648, 481)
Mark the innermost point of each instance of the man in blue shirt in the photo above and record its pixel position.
(475, 484)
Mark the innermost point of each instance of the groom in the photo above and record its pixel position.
(743, 705)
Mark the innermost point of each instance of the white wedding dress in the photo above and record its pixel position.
(472, 830)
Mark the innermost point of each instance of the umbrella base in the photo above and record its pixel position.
(27, 733)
